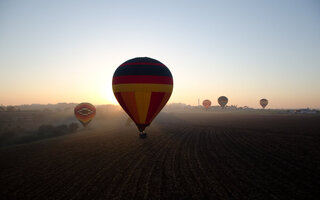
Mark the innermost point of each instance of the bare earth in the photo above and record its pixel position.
(186, 156)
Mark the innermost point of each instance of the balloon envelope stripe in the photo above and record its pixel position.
(165, 99)
(142, 101)
(91, 107)
(155, 102)
(84, 119)
(129, 99)
(142, 60)
(142, 63)
(142, 79)
(85, 116)
(122, 103)
(142, 70)
(142, 88)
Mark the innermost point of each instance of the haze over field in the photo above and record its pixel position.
(67, 51)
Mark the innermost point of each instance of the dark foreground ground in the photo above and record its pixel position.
(186, 156)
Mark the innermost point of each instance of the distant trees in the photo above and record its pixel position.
(45, 130)
(46, 110)
(20, 136)
(10, 108)
(51, 131)
(73, 127)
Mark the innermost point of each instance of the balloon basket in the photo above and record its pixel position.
(142, 135)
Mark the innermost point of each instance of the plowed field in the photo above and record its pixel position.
(185, 156)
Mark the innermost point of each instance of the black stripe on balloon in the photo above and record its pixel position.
(142, 70)
(142, 60)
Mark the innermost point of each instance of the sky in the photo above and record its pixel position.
(67, 51)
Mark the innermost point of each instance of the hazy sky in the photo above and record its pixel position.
(67, 51)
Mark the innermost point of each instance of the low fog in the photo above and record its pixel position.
(29, 123)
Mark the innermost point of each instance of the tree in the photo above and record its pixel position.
(10, 108)
(73, 127)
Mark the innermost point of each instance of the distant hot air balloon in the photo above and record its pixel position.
(206, 103)
(142, 87)
(85, 112)
(222, 101)
(263, 103)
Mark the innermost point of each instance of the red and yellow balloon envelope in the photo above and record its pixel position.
(142, 87)
(85, 112)
(206, 103)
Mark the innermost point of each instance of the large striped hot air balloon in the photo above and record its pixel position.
(264, 103)
(222, 101)
(142, 87)
(206, 103)
(85, 112)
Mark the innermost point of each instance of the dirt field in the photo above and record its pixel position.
(186, 156)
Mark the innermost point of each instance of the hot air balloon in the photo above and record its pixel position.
(85, 112)
(222, 101)
(206, 103)
(142, 87)
(263, 103)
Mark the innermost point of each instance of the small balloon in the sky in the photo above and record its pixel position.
(142, 87)
(206, 103)
(222, 101)
(85, 112)
(264, 103)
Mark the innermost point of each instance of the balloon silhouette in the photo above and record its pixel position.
(222, 101)
(85, 112)
(264, 103)
(142, 87)
(206, 103)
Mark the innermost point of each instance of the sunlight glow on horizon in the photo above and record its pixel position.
(68, 51)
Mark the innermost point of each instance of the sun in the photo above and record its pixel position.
(107, 95)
